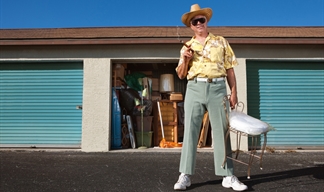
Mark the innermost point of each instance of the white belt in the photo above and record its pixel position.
(209, 80)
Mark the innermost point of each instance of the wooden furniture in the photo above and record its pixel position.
(169, 112)
(204, 131)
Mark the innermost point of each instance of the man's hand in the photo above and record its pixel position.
(188, 54)
(233, 100)
(182, 69)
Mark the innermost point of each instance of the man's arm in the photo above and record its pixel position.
(182, 69)
(231, 80)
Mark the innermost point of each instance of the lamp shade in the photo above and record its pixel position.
(166, 83)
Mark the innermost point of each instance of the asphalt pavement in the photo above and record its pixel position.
(151, 170)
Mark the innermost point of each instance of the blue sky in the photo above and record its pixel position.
(109, 13)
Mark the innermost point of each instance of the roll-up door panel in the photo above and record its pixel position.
(289, 96)
(38, 104)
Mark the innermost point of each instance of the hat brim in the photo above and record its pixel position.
(186, 18)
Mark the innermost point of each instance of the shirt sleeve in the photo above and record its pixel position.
(230, 60)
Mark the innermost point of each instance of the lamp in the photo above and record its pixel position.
(166, 83)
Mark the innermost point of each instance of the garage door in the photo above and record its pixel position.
(289, 96)
(38, 104)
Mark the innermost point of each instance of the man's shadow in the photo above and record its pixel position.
(317, 172)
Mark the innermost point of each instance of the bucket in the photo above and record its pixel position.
(147, 138)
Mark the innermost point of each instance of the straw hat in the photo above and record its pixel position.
(194, 11)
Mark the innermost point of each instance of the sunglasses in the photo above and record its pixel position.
(202, 20)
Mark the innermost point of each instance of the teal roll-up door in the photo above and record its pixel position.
(290, 96)
(38, 104)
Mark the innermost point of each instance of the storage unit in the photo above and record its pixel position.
(168, 108)
(41, 104)
(290, 96)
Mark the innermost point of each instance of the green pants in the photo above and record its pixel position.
(202, 96)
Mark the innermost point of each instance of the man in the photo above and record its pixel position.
(206, 61)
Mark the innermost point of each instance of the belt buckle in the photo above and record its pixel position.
(209, 80)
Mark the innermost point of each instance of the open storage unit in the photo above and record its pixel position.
(149, 75)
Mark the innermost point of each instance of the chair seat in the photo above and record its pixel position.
(244, 125)
(242, 122)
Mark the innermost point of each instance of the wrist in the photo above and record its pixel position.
(234, 92)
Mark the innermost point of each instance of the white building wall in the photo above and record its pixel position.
(96, 113)
(240, 74)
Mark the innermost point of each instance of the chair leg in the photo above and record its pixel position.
(263, 148)
(238, 143)
(252, 155)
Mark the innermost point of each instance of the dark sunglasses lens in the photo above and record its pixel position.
(195, 21)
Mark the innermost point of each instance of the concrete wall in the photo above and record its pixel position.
(96, 118)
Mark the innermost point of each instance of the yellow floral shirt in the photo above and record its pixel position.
(211, 59)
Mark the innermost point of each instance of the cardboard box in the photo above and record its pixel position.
(155, 84)
(176, 97)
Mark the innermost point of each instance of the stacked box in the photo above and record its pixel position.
(176, 97)
(155, 84)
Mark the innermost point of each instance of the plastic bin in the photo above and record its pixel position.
(147, 138)
(147, 123)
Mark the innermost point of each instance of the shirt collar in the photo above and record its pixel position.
(207, 38)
